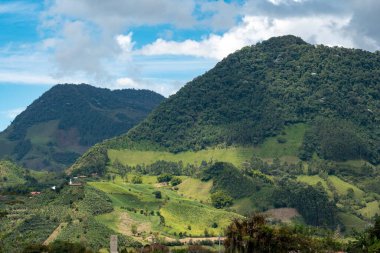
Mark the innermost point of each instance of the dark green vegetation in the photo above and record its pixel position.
(282, 127)
(17, 180)
(60, 125)
(257, 92)
(253, 93)
(254, 235)
(369, 241)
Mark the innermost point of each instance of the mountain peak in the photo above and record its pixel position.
(67, 119)
(284, 41)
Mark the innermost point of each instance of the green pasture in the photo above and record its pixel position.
(236, 155)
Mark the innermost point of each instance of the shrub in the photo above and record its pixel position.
(137, 180)
(220, 199)
(164, 178)
(176, 181)
(157, 194)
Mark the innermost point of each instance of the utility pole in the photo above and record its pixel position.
(113, 244)
(219, 243)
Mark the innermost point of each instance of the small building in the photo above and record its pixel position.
(35, 193)
(74, 184)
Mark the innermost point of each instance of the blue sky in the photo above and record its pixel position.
(155, 44)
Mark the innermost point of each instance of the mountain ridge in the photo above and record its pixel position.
(255, 92)
(69, 118)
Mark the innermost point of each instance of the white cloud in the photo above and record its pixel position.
(279, 2)
(164, 87)
(16, 7)
(126, 45)
(316, 29)
(118, 14)
(25, 78)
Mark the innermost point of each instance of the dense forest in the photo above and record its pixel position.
(57, 127)
(253, 93)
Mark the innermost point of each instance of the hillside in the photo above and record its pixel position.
(257, 91)
(296, 127)
(66, 120)
(253, 93)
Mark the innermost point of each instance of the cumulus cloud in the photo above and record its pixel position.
(90, 32)
(364, 25)
(326, 30)
(164, 87)
(117, 14)
(92, 41)
(79, 49)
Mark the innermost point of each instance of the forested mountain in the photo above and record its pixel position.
(257, 91)
(60, 125)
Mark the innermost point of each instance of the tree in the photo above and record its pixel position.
(254, 235)
(175, 181)
(157, 194)
(164, 178)
(137, 179)
(122, 169)
(220, 199)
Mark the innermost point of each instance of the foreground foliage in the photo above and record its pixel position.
(254, 235)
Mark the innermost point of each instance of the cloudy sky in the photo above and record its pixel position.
(155, 44)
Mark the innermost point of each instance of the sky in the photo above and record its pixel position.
(155, 44)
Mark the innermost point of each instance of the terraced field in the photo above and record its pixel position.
(342, 187)
(137, 208)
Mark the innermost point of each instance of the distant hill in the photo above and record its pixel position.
(258, 91)
(66, 120)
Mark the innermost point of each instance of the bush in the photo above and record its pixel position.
(164, 178)
(137, 179)
(176, 181)
(281, 140)
(157, 194)
(220, 199)
(198, 249)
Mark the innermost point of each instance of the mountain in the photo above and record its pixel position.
(260, 91)
(281, 127)
(66, 120)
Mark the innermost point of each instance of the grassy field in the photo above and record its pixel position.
(351, 222)
(234, 155)
(342, 187)
(371, 209)
(314, 180)
(180, 214)
(195, 189)
(176, 208)
(237, 155)
(10, 174)
(272, 148)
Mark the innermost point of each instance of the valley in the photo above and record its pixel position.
(276, 147)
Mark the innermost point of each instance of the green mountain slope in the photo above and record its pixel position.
(257, 92)
(60, 125)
